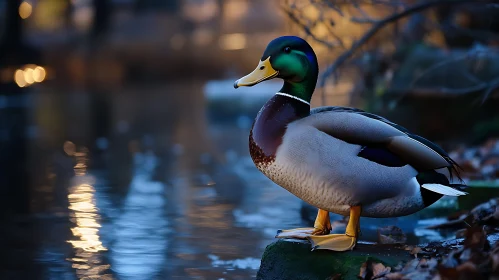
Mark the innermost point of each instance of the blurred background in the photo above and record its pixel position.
(124, 147)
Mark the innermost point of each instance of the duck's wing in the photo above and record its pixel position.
(382, 140)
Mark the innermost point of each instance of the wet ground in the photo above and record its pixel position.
(149, 184)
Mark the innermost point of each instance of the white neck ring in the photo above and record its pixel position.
(294, 97)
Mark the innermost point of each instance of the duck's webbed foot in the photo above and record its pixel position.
(340, 242)
(322, 226)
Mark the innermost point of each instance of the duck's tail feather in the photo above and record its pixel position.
(445, 190)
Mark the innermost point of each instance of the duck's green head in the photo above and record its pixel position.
(291, 59)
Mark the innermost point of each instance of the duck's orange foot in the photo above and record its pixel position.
(333, 242)
(340, 242)
(322, 226)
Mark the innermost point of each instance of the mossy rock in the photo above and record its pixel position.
(293, 259)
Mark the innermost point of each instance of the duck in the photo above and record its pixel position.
(340, 160)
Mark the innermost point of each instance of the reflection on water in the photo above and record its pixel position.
(84, 214)
(87, 262)
(140, 242)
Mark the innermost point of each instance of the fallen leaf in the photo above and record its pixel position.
(366, 270)
(379, 270)
(476, 239)
(371, 270)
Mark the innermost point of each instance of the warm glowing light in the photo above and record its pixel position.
(28, 75)
(234, 41)
(235, 9)
(19, 78)
(25, 10)
(82, 202)
(311, 12)
(39, 74)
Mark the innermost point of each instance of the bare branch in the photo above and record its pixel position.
(365, 17)
(307, 30)
(363, 20)
(338, 39)
(379, 25)
(331, 6)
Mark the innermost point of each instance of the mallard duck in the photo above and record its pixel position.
(339, 159)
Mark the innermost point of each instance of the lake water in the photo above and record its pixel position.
(149, 183)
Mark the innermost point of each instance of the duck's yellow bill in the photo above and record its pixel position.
(263, 71)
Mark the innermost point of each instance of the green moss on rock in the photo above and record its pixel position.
(293, 259)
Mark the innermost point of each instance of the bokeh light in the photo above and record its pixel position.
(25, 10)
(234, 41)
(39, 74)
(19, 78)
(28, 75)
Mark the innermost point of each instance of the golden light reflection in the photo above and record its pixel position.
(25, 10)
(87, 262)
(82, 202)
(86, 242)
(234, 41)
(81, 161)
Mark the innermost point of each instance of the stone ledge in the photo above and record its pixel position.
(293, 259)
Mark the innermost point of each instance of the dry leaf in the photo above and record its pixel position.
(365, 270)
(379, 270)
(370, 270)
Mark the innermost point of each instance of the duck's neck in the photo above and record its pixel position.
(271, 122)
(302, 90)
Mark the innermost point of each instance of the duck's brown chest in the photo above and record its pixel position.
(270, 125)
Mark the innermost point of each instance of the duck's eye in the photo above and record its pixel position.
(287, 49)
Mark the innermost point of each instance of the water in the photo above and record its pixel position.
(142, 184)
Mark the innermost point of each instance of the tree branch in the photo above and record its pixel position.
(381, 23)
(307, 30)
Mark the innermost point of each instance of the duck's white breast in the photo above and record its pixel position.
(326, 172)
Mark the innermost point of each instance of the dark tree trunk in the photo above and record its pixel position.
(14, 170)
